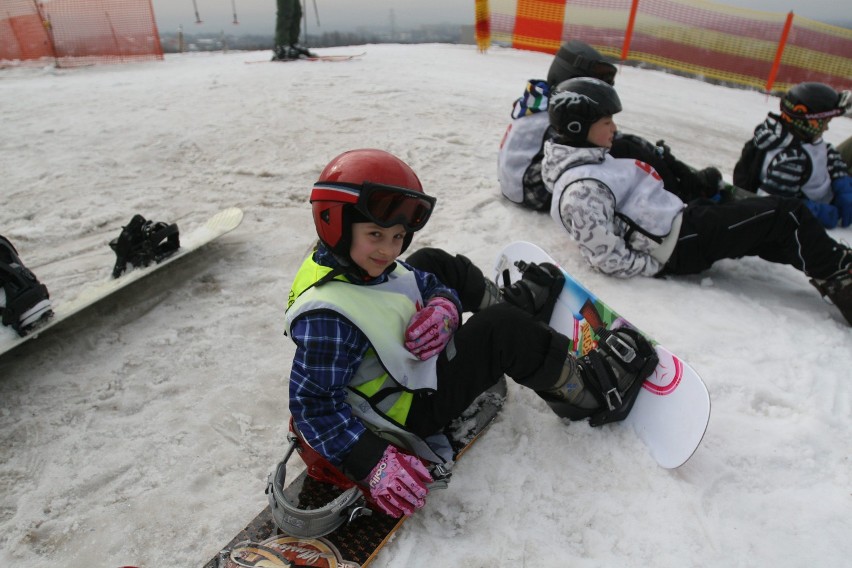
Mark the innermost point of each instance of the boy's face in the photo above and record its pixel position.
(374, 248)
(602, 131)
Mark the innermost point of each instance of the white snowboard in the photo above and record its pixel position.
(672, 410)
(219, 224)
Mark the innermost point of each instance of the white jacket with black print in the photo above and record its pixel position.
(794, 168)
(617, 210)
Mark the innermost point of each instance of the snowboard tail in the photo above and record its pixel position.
(671, 412)
(356, 542)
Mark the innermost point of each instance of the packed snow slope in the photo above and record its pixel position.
(142, 431)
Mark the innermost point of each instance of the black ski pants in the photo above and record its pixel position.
(287, 22)
(500, 339)
(777, 229)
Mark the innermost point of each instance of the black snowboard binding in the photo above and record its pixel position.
(25, 300)
(142, 242)
(604, 384)
(537, 290)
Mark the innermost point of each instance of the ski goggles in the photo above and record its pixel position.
(384, 205)
(844, 105)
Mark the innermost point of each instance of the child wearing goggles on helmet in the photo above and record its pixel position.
(522, 147)
(383, 363)
(627, 223)
(788, 157)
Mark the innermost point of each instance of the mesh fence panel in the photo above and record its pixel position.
(699, 38)
(78, 32)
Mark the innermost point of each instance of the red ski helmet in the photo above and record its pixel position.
(367, 185)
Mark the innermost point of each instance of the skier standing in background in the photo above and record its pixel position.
(288, 20)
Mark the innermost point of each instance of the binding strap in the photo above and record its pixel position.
(310, 523)
(602, 380)
(142, 242)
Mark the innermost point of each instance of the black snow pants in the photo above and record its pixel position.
(777, 229)
(500, 339)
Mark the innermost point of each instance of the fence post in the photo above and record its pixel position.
(482, 30)
(628, 34)
(781, 44)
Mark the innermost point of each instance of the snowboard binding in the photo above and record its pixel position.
(612, 374)
(537, 290)
(143, 242)
(25, 300)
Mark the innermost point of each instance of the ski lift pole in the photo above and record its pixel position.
(234, 7)
(197, 17)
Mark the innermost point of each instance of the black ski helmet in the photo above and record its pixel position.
(807, 107)
(577, 103)
(579, 59)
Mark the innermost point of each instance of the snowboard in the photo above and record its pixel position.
(219, 224)
(357, 542)
(672, 411)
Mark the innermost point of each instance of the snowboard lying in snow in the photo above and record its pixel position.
(356, 542)
(671, 413)
(221, 223)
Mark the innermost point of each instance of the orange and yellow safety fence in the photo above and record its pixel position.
(768, 51)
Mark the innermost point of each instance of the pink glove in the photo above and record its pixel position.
(431, 328)
(398, 483)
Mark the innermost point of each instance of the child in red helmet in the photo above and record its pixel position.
(380, 350)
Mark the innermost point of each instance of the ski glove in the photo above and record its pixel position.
(398, 483)
(430, 329)
(842, 188)
(825, 212)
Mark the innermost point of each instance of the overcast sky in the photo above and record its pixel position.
(258, 16)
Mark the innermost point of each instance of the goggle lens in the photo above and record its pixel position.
(387, 206)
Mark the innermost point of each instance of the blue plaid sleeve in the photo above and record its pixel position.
(328, 351)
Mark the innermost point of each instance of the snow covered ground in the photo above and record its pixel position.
(142, 431)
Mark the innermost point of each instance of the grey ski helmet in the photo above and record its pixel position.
(579, 59)
(577, 103)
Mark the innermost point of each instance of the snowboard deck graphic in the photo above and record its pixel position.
(672, 410)
(356, 543)
(223, 222)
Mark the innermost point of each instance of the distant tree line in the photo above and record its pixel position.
(176, 42)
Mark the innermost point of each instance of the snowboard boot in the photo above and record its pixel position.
(142, 242)
(24, 301)
(837, 288)
(537, 290)
(603, 384)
